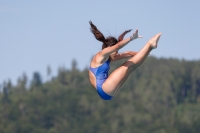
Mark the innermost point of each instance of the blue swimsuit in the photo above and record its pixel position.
(101, 74)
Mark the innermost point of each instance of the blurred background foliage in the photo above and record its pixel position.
(161, 96)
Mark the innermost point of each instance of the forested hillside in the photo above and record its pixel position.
(161, 96)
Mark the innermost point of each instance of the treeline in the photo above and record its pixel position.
(161, 96)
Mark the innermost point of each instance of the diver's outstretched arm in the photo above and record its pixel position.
(107, 51)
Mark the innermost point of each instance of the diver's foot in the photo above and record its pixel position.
(154, 41)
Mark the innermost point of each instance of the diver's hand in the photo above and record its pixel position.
(135, 35)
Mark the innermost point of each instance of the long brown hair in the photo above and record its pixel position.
(108, 41)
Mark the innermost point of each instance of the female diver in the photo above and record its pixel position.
(106, 85)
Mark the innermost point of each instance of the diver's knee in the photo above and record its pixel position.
(132, 67)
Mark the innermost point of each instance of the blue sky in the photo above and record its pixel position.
(36, 34)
